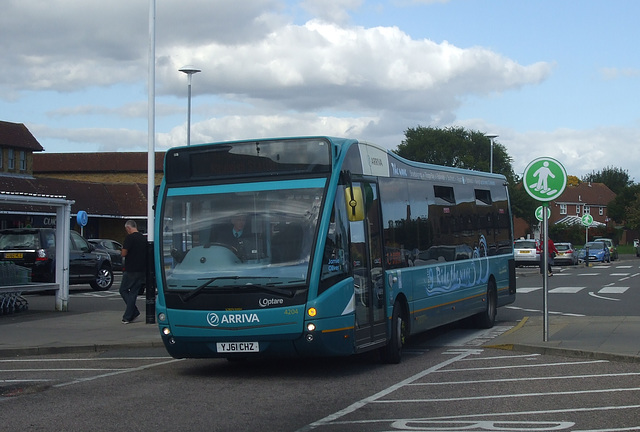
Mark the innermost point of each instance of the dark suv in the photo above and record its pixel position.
(35, 248)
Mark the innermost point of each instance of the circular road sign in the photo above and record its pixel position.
(545, 179)
(82, 217)
(539, 214)
(587, 220)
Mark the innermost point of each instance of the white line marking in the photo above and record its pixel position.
(357, 405)
(516, 395)
(613, 290)
(592, 294)
(566, 290)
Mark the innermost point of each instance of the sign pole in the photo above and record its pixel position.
(545, 273)
(544, 180)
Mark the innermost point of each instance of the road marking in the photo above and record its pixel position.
(371, 399)
(619, 274)
(527, 290)
(508, 396)
(613, 290)
(592, 294)
(566, 290)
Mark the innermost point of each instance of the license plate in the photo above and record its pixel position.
(231, 347)
(524, 251)
(10, 255)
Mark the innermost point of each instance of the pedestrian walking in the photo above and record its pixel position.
(134, 251)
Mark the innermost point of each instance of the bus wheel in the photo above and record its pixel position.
(392, 352)
(487, 318)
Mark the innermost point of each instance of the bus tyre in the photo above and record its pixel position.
(487, 318)
(392, 352)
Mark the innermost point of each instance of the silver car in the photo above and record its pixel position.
(526, 252)
(567, 254)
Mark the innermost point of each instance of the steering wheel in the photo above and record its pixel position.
(231, 248)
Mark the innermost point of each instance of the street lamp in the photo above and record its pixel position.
(189, 70)
(491, 137)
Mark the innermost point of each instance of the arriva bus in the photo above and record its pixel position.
(321, 246)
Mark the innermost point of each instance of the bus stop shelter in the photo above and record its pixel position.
(63, 226)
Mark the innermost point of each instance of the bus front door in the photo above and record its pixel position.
(366, 256)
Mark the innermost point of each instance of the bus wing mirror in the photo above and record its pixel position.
(355, 203)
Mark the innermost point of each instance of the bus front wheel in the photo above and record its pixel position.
(392, 352)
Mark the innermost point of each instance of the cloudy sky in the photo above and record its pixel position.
(556, 78)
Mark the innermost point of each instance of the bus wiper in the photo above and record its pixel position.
(191, 294)
(268, 288)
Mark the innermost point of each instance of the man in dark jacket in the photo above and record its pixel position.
(134, 250)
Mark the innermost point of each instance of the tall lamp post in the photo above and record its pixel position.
(491, 138)
(189, 70)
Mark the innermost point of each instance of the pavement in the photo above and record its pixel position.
(46, 331)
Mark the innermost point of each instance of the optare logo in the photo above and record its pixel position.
(264, 302)
(213, 319)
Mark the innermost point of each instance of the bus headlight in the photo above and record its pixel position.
(166, 331)
(311, 327)
(162, 316)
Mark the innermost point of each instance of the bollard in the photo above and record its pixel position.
(586, 257)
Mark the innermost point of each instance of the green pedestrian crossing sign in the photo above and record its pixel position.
(544, 179)
(539, 214)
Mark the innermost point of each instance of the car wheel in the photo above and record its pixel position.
(104, 280)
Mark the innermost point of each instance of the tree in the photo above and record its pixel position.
(623, 202)
(616, 179)
(455, 147)
(572, 180)
(461, 148)
(633, 213)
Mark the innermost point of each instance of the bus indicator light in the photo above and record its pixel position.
(312, 312)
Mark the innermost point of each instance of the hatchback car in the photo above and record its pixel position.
(613, 251)
(567, 254)
(526, 252)
(598, 252)
(35, 248)
(113, 248)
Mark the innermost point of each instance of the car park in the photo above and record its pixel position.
(35, 249)
(598, 252)
(613, 251)
(113, 248)
(526, 252)
(567, 254)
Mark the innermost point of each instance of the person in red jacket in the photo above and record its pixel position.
(552, 251)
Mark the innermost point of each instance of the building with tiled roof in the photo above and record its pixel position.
(17, 145)
(584, 198)
(106, 167)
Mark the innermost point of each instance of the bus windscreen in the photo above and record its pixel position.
(249, 158)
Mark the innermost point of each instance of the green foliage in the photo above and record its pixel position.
(616, 179)
(455, 147)
(624, 202)
(632, 212)
(461, 148)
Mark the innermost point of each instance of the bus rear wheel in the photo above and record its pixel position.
(392, 352)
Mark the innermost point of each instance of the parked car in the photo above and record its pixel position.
(567, 254)
(613, 251)
(598, 251)
(35, 248)
(526, 252)
(113, 248)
